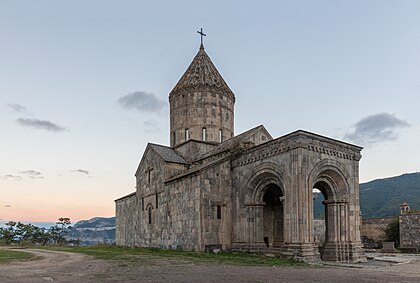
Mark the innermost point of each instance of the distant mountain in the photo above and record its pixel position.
(98, 230)
(382, 197)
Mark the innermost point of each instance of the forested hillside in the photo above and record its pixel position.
(382, 197)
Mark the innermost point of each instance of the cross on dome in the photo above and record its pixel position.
(201, 34)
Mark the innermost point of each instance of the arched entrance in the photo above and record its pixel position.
(333, 188)
(273, 216)
(323, 191)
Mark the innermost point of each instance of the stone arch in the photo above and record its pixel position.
(332, 179)
(261, 176)
(265, 188)
(335, 175)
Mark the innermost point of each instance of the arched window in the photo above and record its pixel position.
(220, 135)
(150, 215)
(204, 134)
(187, 134)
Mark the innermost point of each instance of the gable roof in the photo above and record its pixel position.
(201, 73)
(168, 154)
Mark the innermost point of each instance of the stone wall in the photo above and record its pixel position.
(193, 149)
(215, 189)
(410, 230)
(126, 220)
(373, 231)
(194, 110)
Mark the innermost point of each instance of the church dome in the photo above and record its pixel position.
(201, 104)
(201, 74)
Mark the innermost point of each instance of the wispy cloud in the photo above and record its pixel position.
(32, 174)
(150, 126)
(16, 107)
(12, 177)
(376, 128)
(142, 101)
(82, 171)
(41, 124)
(7, 205)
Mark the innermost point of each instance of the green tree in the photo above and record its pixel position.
(59, 230)
(392, 232)
(7, 234)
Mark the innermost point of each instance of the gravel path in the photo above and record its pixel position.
(57, 266)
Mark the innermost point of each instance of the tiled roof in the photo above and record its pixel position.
(168, 154)
(201, 73)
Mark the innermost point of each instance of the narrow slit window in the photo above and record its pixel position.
(150, 215)
(204, 134)
(187, 134)
(157, 200)
(149, 175)
(219, 212)
(142, 203)
(220, 135)
(173, 139)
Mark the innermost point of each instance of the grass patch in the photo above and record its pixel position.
(140, 254)
(7, 256)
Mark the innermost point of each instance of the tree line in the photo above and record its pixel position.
(18, 233)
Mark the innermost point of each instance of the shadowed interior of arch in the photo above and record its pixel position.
(321, 191)
(273, 216)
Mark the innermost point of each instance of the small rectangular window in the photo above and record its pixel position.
(219, 212)
(187, 134)
(142, 204)
(157, 200)
(220, 135)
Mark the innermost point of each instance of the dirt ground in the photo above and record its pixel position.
(73, 267)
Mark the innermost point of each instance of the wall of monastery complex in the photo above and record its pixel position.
(410, 230)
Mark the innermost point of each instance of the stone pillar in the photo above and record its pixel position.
(255, 214)
(337, 240)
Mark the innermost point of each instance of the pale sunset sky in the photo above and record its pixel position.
(84, 86)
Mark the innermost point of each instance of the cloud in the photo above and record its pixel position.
(16, 108)
(142, 101)
(12, 177)
(7, 205)
(376, 128)
(151, 126)
(32, 174)
(40, 124)
(80, 171)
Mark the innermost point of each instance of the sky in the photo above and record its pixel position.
(84, 86)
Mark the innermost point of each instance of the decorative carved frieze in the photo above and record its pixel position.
(330, 151)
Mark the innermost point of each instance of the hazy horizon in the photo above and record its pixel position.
(85, 84)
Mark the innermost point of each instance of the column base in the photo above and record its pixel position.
(343, 252)
(306, 252)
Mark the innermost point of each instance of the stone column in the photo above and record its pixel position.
(336, 247)
(255, 231)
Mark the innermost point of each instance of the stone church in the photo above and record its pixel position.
(212, 189)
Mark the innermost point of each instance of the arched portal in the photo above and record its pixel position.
(334, 190)
(273, 216)
(321, 226)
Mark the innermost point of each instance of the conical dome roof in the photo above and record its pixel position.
(201, 74)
